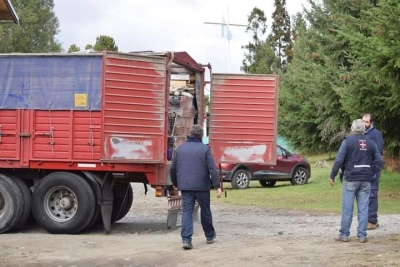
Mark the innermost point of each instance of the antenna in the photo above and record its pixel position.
(225, 26)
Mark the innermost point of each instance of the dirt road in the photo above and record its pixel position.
(247, 236)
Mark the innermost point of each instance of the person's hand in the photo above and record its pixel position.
(332, 182)
(219, 192)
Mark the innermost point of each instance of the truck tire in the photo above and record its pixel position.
(97, 194)
(123, 198)
(241, 179)
(63, 203)
(126, 203)
(27, 199)
(11, 204)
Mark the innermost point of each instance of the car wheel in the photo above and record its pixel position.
(300, 176)
(267, 183)
(241, 179)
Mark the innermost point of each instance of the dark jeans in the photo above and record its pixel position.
(188, 199)
(373, 200)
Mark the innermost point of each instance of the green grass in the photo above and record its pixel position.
(316, 196)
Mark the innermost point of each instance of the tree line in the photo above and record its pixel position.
(38, 29)
(337, 60)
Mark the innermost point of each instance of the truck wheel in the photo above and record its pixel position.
(123, 198)
(241, 179)
(300, 176)
(11, 204)
(97, 213)
(63, 203)
(27, 199)
(267, 183)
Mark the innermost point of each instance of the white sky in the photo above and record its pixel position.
(165, 25)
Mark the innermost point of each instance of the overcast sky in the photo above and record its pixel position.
(165, 25)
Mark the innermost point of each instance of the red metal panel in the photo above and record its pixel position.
(86, 130)
(66, 135)
(51, 135)
(9, 139)
(134, 108)
(243, 118)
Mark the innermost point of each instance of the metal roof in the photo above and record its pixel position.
(7, 12)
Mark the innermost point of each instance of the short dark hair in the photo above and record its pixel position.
(371, 117)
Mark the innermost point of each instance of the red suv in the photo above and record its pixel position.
(289, 167)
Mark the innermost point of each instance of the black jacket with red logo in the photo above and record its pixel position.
(360, 156)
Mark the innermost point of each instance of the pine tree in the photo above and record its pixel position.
(372, 80)
(259, 58)
(309, 101)
(280, 36)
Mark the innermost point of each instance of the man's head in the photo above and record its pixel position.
(358, 127)
(196, 131)
(368, 120)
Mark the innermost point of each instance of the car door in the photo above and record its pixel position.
(284, 164)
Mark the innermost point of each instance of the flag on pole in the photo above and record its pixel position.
(228, 33)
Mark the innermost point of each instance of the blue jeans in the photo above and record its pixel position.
(373, 200)
(188, 199)
(360, 191)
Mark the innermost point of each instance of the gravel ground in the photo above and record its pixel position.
(247, 236)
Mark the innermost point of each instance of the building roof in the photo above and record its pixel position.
(7, 12)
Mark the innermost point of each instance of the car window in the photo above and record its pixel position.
(279, 151)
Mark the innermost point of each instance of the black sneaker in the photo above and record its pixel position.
(211, 240)
(187, 245)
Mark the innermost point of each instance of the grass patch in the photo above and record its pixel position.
(317, 195)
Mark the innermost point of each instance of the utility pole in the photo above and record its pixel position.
(228, 34)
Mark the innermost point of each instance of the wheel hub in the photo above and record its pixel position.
(61, 204)
(66, 202)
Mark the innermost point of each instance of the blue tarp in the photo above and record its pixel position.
(50, 82)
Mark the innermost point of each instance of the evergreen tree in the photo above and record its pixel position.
(309, 101)
(259, 58)
(372, 81)
(36, 32)
(298, 24)
(280, 36)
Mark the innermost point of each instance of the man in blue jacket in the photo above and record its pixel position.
(192, 168)
(375, 135)
(361, 160)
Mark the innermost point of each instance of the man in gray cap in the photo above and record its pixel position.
(361, 159)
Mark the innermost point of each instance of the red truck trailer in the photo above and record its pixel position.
(77, 129)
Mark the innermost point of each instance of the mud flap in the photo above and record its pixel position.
(174, 217)
(107, 202)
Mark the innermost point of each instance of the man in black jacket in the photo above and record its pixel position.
(375, 135)
(362, 160)
(191, 169)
